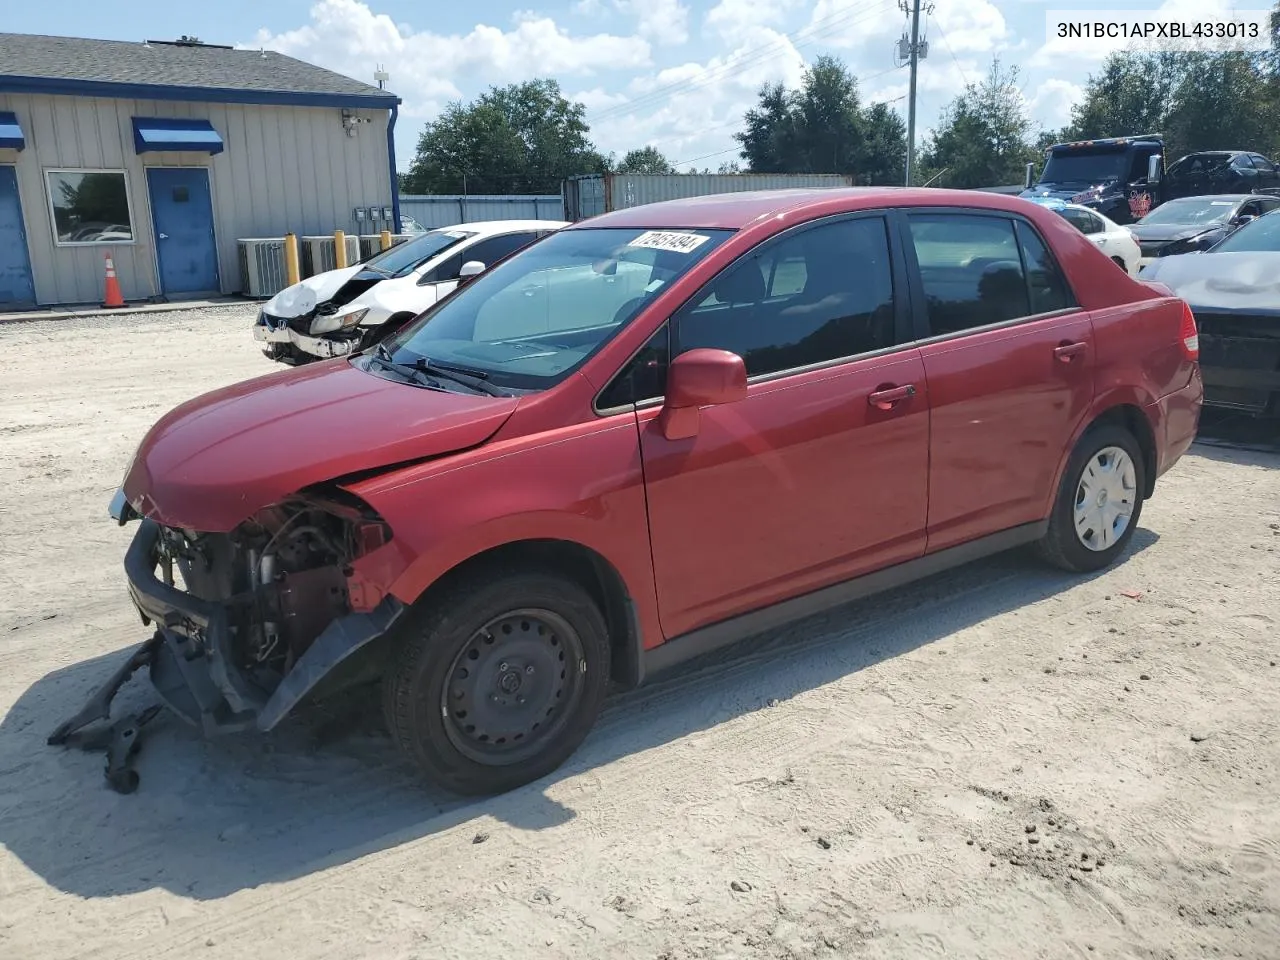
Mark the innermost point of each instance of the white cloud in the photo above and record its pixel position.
(426, 68)
(1052, 102)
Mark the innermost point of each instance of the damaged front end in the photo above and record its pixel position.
(249, 623)
(297, 329)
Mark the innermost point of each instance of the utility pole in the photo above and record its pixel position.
(913, 51)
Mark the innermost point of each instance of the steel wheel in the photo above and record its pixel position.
(513, 686)
(1105, 498)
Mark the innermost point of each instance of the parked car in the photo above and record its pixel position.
(1221, 171)
(1234, 291)
(1117, 242)
(1191, 224)
(640, 439)
(333, 313)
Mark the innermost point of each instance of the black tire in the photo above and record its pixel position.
(1061, 545)
(1120, 263)
(449, 672)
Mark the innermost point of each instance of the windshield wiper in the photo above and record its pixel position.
(475, 379)
(423, 366)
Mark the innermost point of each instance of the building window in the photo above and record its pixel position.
(89, 206)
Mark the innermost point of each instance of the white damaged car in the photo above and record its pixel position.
(332, 313)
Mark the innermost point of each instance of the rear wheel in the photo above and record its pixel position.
(497, 685)
(1099, 502)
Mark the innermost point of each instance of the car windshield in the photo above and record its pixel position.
(532, 319)
(1259, 236)
(1085, 166)
(406, 257)
(1190, 210)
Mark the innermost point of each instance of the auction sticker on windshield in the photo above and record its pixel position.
(664, 240)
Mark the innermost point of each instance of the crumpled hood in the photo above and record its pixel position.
(302, 297)
(1168, 232)
(216, 460)
(1245, 282)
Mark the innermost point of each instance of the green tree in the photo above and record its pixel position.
(982, 138)
(823, 128)
(644, 160)
(521, 138)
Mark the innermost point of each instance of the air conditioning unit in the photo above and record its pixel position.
(262, 267)
(318, 254)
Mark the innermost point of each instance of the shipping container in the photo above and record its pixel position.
(589, 196)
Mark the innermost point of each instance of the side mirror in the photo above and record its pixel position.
(699, 378)
(1030, 178)
(1155, 168)
(470, 269)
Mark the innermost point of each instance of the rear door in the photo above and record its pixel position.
(819, 474)
(1008, 358)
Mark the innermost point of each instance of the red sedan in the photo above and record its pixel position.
(642, 438)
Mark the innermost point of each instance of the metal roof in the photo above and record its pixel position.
(173, 71)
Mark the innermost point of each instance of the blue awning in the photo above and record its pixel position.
(11, 132)
(170, 133)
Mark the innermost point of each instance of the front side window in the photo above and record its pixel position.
(820, 294)
(531, 320)
(90, 206)
(970, 269)
(486, 251)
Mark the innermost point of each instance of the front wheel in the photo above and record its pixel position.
(1099, 502)
(497, 685)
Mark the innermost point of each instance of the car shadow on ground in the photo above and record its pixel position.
(214, 817)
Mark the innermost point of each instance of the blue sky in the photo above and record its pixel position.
(677, 74)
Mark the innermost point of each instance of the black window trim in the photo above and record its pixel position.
(902, 313)
(921, 316)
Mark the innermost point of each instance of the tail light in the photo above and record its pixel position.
(1188, 335)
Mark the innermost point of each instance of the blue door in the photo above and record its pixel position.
(183, 214)
(16, 289)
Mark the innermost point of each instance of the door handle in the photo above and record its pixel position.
(887, 398)
(1066, 352)
(164, 236)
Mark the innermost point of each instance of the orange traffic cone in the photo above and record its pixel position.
(112, 297)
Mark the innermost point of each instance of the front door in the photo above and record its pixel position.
(182, 210)
(16, 289)
(1009, 364)
(811, 479)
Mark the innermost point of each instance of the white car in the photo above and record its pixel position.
(1117, 242)
(332, 313)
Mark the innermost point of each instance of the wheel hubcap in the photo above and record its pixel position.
(512, 686)
(1105, 498)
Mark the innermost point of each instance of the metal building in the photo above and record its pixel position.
(163, 154)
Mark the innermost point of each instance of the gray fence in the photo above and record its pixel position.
(444, 210)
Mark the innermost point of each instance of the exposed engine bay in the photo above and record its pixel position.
(282, 576)
(248, 623)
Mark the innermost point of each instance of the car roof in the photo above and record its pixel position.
(733, 211)
(487, 227)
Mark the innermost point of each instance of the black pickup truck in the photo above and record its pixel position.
(1124, 178)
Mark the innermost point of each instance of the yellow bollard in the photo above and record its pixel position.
(291, 270)
(385, 240)
(339, 248)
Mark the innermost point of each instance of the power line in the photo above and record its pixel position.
(797, 38)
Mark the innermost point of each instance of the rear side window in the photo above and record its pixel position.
(1045, 283)
(973, 274)
(821, 294)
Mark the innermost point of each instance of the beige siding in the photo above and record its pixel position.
(282, 169)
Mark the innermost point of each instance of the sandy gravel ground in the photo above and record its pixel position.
(1002, 762)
